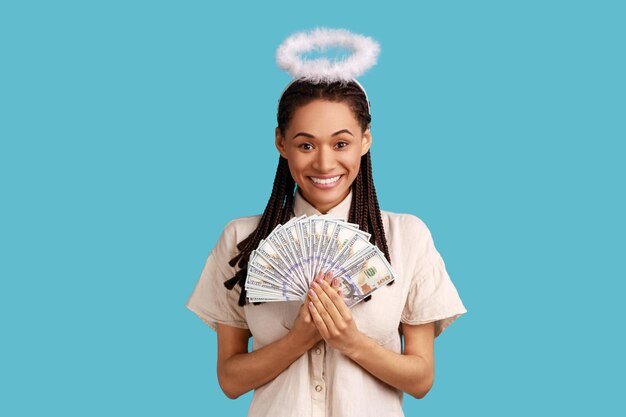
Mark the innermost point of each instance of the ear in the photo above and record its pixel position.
(280, 143)
(366, 141)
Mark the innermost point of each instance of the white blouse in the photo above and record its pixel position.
(324, 382)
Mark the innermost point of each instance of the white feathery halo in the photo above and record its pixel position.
(364, 54)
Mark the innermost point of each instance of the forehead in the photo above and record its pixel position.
(323, 116)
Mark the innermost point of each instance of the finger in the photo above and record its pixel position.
(335, 294)
(334, 282)
(319, 277)
(323, 276)
(318, 321)
(305, 305)
(321, 308)
(328, 297)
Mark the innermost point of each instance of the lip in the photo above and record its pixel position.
(324, 177)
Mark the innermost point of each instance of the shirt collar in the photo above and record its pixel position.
(340, 211)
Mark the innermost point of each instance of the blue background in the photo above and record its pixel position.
(131, 132)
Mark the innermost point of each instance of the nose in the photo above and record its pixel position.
(324, 161)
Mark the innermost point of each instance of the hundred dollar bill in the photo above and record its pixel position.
(350, 250)
(280, 240)
(293, 237)
(365, 275)
(342, 236)
(259, 266)
(305, 239)
(317, 224)
(271, 255)
(255, 297)
(326, 235)
(256, 283)
(279, 261)
(329, 249)
(254, 290)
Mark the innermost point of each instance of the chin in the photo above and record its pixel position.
(324, 198)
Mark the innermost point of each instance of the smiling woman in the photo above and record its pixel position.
(319, 357)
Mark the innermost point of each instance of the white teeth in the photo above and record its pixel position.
(325, 181)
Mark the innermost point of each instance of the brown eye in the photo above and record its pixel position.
(342, 144)
(306, 146)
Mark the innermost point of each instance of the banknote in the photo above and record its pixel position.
(285, 263)
(305, 236)
(365, 275)
(280, 262)
(326, 234)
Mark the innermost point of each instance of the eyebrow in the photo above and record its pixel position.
(308, 135)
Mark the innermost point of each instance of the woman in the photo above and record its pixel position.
(320, 357)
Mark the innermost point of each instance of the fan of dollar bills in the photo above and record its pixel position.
(286, 262)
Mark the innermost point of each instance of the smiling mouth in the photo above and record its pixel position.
(325, 181)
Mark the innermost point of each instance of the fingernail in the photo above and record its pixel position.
(335, 282)
(314, 284)
(311, 293)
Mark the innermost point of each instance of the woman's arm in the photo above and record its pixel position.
(411, 372)
(240, 371)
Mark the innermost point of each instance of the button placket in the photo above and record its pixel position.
(318, 384)
(317, 359)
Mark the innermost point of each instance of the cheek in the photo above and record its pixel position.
(296, 166)
(353, 161)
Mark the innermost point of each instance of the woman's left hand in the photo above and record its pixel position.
(331, 315)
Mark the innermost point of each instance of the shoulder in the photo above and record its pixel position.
(408, 234)
(234, 232)
(239, 228)
(405, 224)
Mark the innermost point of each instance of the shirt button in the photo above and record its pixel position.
(318, 351)
(318, 388)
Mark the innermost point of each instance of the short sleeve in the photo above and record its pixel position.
(210, 300)
(432, 296)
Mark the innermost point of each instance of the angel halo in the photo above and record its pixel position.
(364, 49)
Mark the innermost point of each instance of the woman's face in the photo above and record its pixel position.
(323, 146)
